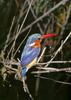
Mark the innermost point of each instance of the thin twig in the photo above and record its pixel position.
(8, 36)
(54, 62)
(10, 68)
(61, 82)
(12, 47)
(22, 11)
(50, 69)
(25, 17)
(39, 26)
(38, 79)
(25, 87)
(43, 51)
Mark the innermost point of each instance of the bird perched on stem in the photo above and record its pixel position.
(31, 51)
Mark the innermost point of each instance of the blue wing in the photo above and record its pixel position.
(28, 55)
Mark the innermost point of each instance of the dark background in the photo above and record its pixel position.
(11, 89)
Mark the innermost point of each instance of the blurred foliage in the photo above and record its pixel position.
(41, 5)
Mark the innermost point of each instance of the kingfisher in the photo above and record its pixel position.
(32, 51)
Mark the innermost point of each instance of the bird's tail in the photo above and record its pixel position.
(23, 71)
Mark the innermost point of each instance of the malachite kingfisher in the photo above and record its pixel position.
(31, 51)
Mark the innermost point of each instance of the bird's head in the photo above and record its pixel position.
(35, 40)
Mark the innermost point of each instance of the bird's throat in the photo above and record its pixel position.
(37, 44)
